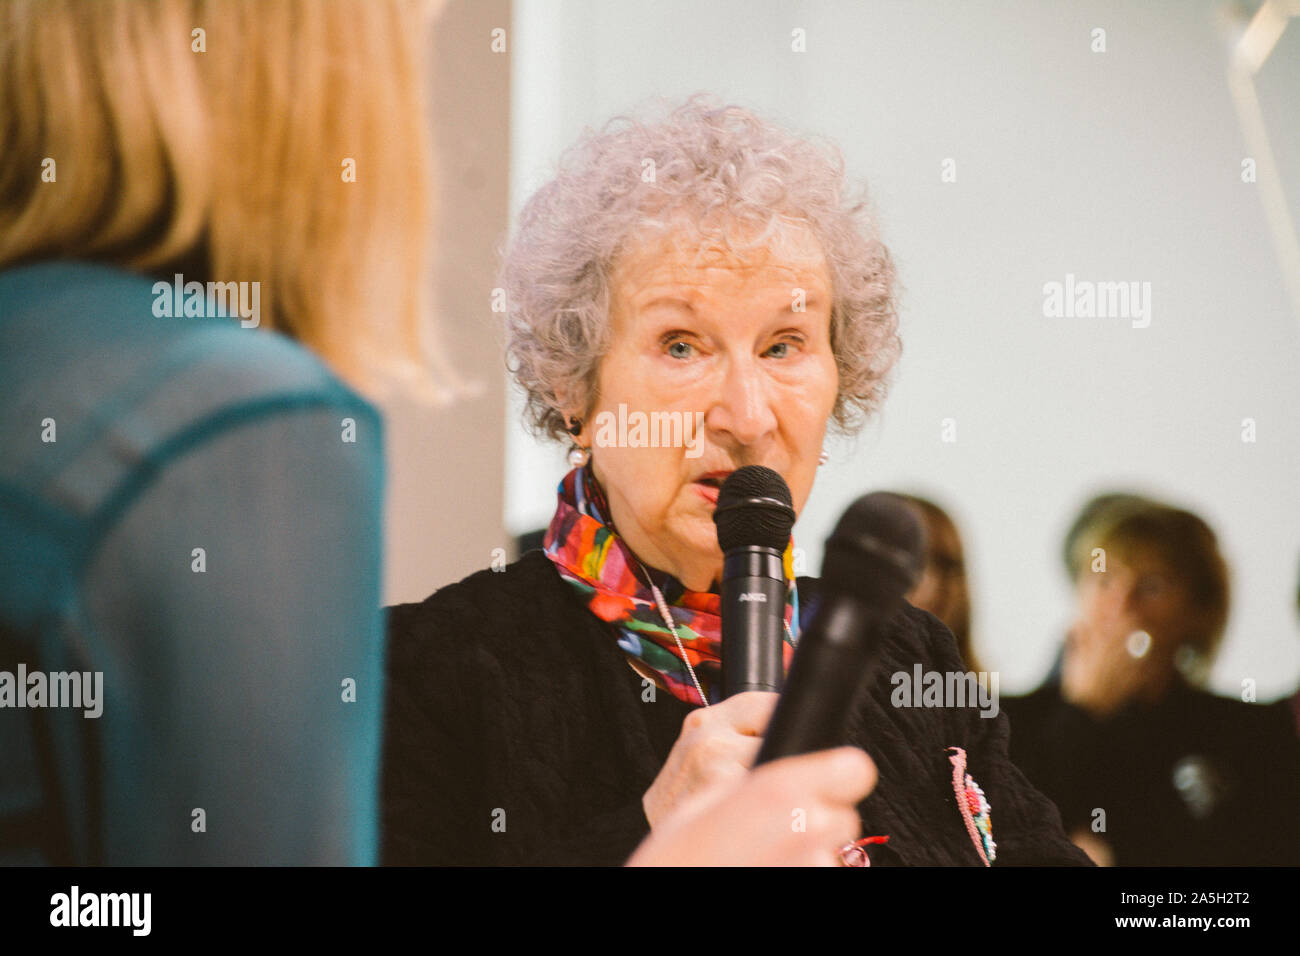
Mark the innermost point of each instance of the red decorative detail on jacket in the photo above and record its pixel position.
(855, 853)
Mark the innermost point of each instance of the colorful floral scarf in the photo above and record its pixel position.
(590, 555)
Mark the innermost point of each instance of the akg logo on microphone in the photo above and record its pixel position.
(758, 596)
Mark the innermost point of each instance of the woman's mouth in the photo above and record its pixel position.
(708, 492)
(709, 485)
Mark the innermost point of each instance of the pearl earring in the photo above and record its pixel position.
(579, 456)
(823, 458)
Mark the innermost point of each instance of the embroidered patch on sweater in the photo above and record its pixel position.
(974, 807)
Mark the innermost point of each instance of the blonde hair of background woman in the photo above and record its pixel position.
(229, 162)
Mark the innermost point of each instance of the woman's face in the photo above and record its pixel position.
(942, 587)
(724, 343)
(1140, 594)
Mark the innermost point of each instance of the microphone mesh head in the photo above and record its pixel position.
(754, 508)
(878, 545)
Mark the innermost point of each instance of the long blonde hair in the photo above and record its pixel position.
(213, 136)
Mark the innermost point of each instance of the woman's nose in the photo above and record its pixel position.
(1103, 601)
(743, 407)
(1122, 601)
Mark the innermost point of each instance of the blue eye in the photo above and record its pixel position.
(783, 346)
(679, 349)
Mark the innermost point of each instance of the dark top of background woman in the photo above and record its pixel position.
(516, 733)
(1191, 780)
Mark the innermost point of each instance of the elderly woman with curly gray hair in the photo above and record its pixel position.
(708, 270)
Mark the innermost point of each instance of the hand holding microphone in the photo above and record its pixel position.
(873, 557)
(704, 807)
(717, 745)
(715, 749)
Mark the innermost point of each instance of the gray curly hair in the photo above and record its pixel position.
(735, 173)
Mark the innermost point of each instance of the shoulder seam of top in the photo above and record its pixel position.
(117, 501)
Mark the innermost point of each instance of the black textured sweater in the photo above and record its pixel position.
(516, 733)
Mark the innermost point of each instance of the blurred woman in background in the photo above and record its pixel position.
(943, 589)
(1147, 768)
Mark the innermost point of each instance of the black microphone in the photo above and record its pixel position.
(754, 515)
(873, 558)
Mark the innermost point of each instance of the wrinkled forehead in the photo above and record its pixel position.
(785, 254)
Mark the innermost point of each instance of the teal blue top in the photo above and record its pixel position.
(192, 509)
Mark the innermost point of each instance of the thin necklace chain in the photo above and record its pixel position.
(668, 619)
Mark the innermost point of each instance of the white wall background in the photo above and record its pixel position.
(1123, 165)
